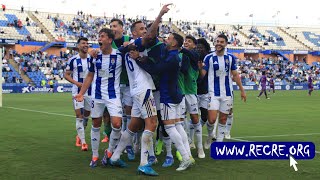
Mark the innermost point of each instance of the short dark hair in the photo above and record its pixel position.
(82, 39)
(134, 25)
(118, 20)
(223, 36)
(192, 38)
(178, 38)
(108, 31)
(205, 43)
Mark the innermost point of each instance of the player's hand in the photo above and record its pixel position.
(79, 85)
(134, 54)
(165, 9)
(94, 53)
(125, 44)
(243, 96)
(200, 64)
(78, 97)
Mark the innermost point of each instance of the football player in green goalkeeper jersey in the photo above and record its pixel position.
(190, 81)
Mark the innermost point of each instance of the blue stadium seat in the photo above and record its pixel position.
(11, 18)
(315, 40)
(278, 43)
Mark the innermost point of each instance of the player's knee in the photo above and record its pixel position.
(96, 123)
(194, 118)
(133, 127)
(152, 124)
(212, 119)
(116, 124)
(223, 120)
(79, 115)
(86, 113)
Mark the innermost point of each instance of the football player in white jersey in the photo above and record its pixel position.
(76, 71)
(141, 86)
(104, 75)
(221, 67)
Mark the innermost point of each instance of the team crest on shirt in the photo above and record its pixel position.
(227, 65)
(113, 60)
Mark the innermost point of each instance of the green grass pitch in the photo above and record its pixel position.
(38, 135)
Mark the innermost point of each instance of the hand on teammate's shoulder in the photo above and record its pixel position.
(94, 53)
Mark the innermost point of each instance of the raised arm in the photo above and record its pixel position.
(161, 67)
(152, 31)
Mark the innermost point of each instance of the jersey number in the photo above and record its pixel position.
(130, 65)
(92, 104)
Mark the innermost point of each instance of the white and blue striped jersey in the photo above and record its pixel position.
(139, 80)
(219, 73)
(80, 68)
(106, 80)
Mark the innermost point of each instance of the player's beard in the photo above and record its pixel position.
(84, 50)
(220, 50)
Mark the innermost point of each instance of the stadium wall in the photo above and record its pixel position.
(310, 58)
(26, 49)
(17, 88)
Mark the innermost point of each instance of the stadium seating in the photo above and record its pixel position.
(36, 77)
(60, 29)
(210, 31)
(10, 75)
(9, 16)
(308, 36)
(272, 38)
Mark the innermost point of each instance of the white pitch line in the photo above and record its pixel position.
(242, 140)
(280, 135)
(43, 112)
(318, 152)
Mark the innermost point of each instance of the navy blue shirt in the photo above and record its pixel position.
(167, 68)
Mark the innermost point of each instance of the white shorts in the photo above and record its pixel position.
(223, 105)
(143, 105)
(192, 103)
(170, 111)
(113, 105)
(182, 107)
(125, 95)
(203, 101)
(86, 103)
(156, 95)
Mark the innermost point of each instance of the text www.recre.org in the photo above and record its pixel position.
(262, 150)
